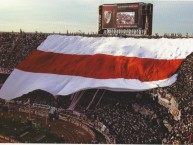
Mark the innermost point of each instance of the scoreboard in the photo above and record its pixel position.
(126, 18)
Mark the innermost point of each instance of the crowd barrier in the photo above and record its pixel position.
(79, 124)
(42, 106)
(41, 113)
(89, 124)
(8, 139)
(24, 110)
(80, 120)
(100, 127)
(5, 70)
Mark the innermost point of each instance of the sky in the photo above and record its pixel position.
(82, 15)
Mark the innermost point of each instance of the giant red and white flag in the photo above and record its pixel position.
(63, 65)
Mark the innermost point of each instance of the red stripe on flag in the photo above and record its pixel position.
(100, 66)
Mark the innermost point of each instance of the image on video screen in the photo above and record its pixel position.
(125, 18)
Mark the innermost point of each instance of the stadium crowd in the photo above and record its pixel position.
(126, 123)
(138, 118)
(17, 46)
(130, 117)
(37, 96)
(182, 89)
(3, 77)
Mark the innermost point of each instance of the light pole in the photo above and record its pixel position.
(8, 106)
(29, 109)
(46, 118)
(20, 118)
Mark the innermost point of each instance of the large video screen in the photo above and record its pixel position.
(125, 18)
(121, 16)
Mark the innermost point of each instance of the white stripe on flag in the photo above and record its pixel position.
(143, 48)
(21, 82)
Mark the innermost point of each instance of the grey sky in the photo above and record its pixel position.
(74, 15)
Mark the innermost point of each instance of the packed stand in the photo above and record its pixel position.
(128, 125)
(37, 96)
(133, 117)
(15, 47)
(138, 118)
(130, 117)
(182, 89)
(3, 78)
